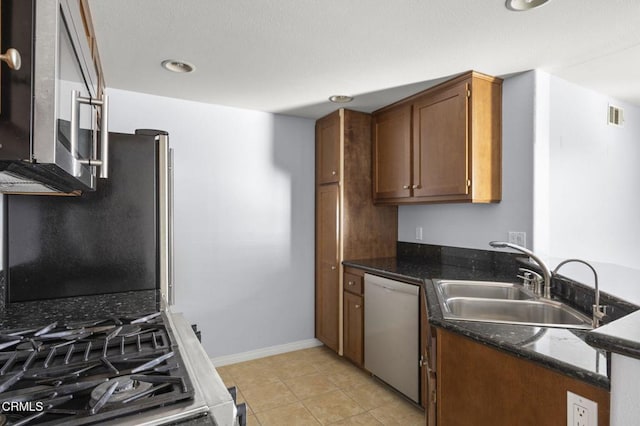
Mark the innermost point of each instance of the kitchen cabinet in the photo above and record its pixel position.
(480, 385)
(328, 151)
(348, 224)
(441, 145)
(15, 82)
(392, 153)
(327, 266)
(354, 316)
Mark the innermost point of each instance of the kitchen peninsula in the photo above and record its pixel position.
(466, 358)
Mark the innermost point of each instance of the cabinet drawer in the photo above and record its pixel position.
(353, 283)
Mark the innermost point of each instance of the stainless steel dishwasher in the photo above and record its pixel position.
(392, 333)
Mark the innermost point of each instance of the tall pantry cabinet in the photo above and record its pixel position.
(348, 225)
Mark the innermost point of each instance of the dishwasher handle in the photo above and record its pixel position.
(391, 285)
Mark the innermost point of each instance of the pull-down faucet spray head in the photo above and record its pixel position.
(546, 273)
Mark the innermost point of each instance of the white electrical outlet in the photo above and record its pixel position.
(419, 233)
(581, 411)
(518, 238)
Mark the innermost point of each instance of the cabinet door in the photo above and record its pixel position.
(424, 347)
(327, 265)
(328, 149)
(482, 386)
(15, 85)
(431, 377)
(353, 327)
(392, 153)
(440, 143)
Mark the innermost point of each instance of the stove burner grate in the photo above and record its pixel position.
(93, 371)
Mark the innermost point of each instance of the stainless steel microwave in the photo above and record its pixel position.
(50, 111)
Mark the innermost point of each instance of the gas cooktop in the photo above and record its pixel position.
(88, 372)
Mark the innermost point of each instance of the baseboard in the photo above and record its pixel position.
(264, 352)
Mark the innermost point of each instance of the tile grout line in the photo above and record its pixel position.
(281, 366)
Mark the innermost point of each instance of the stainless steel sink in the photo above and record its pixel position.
(506, 303)
(484, 289)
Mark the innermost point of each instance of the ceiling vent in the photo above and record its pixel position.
(615, 116)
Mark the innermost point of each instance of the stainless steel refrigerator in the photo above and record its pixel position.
(114, 239)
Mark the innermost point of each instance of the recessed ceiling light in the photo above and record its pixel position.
(340, 99)
(177, 66)
(523, 5)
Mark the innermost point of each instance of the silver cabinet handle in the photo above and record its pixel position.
(103, 162)
(357, 306)
(415, 186)
(351, 283)
(405, 186)
(12, 58)
(333, 173)
(333, 268)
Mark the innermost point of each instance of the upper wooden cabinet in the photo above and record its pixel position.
(327, 151)
(392, 153)
(441, 145)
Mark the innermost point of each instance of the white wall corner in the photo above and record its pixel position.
(264, 352)
(540, 243)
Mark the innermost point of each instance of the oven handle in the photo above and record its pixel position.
(103, 104)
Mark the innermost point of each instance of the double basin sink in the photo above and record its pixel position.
(507, 303)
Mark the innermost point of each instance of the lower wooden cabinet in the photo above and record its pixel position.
(479, 385)
(354, 328)
(353, 316)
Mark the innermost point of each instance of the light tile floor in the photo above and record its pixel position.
(315, 387)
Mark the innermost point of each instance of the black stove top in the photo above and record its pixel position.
(87, 372)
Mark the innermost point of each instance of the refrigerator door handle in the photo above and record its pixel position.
(171, 287)
(165, 197)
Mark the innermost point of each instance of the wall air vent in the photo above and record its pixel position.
(615, 116)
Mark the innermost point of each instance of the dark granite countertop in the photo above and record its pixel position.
(621, 336)
(559, 349)
(27, 314)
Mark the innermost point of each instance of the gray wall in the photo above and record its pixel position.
(244, 218)
(474, 225)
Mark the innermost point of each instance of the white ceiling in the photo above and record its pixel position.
(289, 56)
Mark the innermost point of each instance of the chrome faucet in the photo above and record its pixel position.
(546, 274)
(598, 311)
(531, 279)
